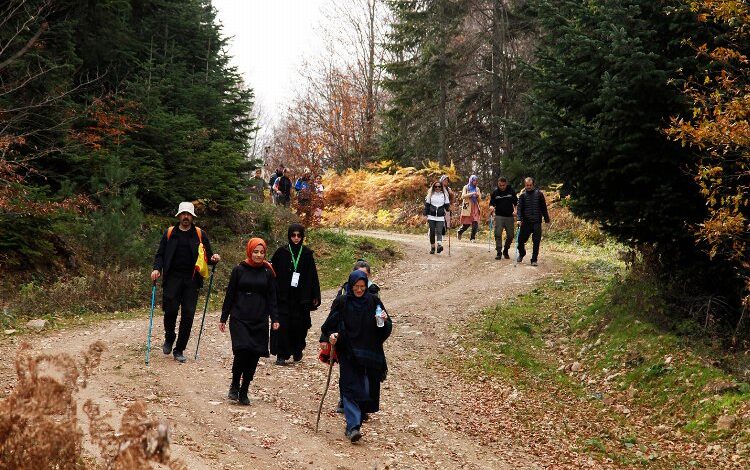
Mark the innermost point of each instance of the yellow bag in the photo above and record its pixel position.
(201, 264)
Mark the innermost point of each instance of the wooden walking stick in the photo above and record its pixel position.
(325, 391)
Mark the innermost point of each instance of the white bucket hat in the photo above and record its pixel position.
(186, 207)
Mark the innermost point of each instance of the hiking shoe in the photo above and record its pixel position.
(506, 255)
(297, 357)
(280, 361)
(534, 263)
(519, 259)
(432, 250)
(460, 234)
(167, 348)
(340, 409)
(354, 435)
(243, 399)
(440, 249)
(234, 393)
(498, 256)
(179, 357)
(365, 417)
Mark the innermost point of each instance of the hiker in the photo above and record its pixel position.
(372, 288)
(436, 204)
(445, 182)
(256, 187)
(470, 196)
(297, 293)
(532, 208)
(175, 262)
(282, 187)
(352, 328)
(503, 204)
(249, 302)
(318, 200)
(304, 195)
(272, 181)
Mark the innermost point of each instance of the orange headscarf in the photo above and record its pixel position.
(251, 245)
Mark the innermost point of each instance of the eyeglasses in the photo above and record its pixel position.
(436, 187)
(296, 235)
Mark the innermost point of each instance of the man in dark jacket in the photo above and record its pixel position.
(532, 208)
(283, 189)
(274, 176)
(175, 263)
(503, 204)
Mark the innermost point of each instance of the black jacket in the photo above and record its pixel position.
(285, 187)
(504, 201)
(249, 302)
(309, 284)
(532, 207)
(165, 253)
(359, 336)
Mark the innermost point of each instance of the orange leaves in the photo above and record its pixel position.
(113, 118)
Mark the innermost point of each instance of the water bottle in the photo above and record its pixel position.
(379, 316)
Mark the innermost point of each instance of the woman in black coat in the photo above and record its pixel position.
(249, 303)
(352, 328)
(297, 293)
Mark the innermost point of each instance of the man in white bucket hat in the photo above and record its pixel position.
(175, 263)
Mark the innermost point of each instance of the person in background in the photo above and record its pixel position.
(318, 200)
(175, 262)
(352, 328)
(297, 293)
(470, 196)
(257, 187)
(436, 204)
(503, 204)
(283, 188)
(249, 303)
(272, 182)
(532, 208)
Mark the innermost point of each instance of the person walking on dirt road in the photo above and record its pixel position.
(470, 196)
(175, 262)
(249, 303)
(283, 189)
(353, 329)
(297, 293)
(532, 208)
(503, 204)
(436, 204)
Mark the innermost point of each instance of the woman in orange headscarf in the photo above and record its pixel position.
(249, 303)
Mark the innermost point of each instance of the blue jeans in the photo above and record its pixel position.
(352, 411)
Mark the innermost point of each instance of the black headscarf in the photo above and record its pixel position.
(356, 302)
(295, 247)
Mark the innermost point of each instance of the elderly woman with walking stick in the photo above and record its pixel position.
(357, 326)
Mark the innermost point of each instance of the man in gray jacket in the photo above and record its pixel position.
(532, 208)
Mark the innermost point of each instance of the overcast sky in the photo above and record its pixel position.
(271, 40)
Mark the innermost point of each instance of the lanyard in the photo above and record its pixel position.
(295, 262)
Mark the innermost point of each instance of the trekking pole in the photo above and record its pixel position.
(515, 261)
(489, 235)
(150, 322)
(208, 296)
(449, 235)
(325, 391)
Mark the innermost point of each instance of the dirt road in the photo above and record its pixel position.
(423, 423)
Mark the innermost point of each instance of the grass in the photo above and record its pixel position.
(606, 319)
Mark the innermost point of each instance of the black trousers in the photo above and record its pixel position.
(526, 230)
(289, 340)
(244, 364)
(474, 228)
(180, 291)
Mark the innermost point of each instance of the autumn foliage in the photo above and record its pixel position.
(719, 130)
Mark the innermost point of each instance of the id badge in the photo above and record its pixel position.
(295, 279)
